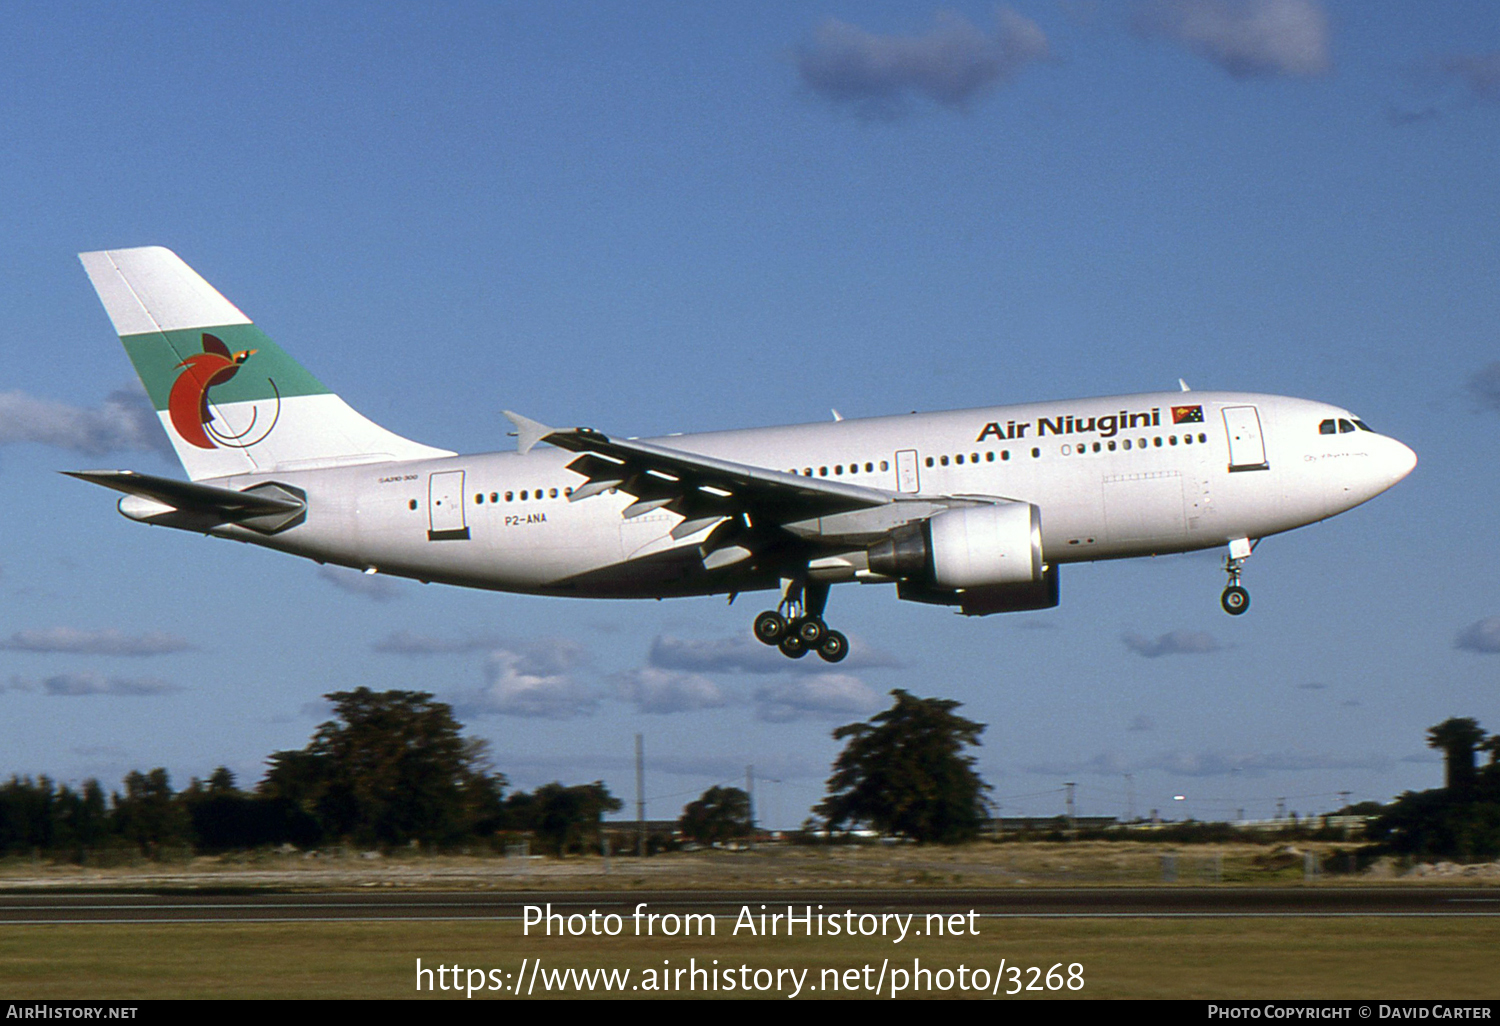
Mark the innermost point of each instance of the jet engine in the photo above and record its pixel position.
(968, 547)
(985, 559)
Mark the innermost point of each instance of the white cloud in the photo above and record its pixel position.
(1212, 764)
(1172, 643)
(105, 642)
(654, 690)
(742, 653)
(823, 694)
(1480, 72)
(951, 64)
(75, 684)
(1482, 636)
(1484, 387)
(124, 422)
(534, 682)
(1247, 38)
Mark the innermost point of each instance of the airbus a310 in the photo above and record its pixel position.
(975, 509)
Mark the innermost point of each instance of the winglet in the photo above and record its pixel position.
(528, 432)
(1183, 385)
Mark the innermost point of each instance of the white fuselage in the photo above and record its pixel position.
(1113, 477)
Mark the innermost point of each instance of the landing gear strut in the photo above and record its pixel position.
(1236, 599)
(796, 626)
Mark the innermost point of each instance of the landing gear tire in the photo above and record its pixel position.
(811, 629)
(1235, 600)
(833, 647)
(770, 627)
(792, 646)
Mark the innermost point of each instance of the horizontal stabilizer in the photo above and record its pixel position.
(267, 508)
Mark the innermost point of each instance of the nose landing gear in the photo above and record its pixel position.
(796, 626)
(1235, 599)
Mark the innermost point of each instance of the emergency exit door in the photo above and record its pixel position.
(906, 471)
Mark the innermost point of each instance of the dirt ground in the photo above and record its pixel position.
(983, 864)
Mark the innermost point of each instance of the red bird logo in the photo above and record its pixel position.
(188, 401)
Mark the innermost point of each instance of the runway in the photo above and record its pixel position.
(34, 908)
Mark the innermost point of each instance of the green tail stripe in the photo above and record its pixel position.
(268, 373)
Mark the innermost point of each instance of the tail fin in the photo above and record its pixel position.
(230, 399)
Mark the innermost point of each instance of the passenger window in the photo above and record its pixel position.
(494, 496)
(1345, 428)
(1126, 443)
(552, 492)
(838, 469)
(973, 457)
(510, 496)
(1096, 446)
(1035, 453)
(1111, 446)
(1172, 440)
(885, 465)
(523, 495)
(822, 471)
(479, 500)
(943, 460)
(412, 504)
(1004, 454)
(1157, 441)
(1203, 438)
(869, 468)
(807, 471)
(990, 456)
(1187, 439)
(1327, 428)
(929, 461)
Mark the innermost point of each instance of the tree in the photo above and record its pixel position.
(904, 772)
(1461, 819)
(720, 814)
(147, 814)
(1458, 738)
(391, 767)
(563, 818)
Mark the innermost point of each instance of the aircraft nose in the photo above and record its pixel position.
(1400, 461)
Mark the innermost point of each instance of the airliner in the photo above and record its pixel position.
(975, 509)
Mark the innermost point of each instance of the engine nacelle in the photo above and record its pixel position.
(968, 547)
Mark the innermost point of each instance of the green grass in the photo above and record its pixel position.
(1398, 957)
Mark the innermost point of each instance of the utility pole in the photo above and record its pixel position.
(1072, 819)
(1130, 798)
(750, 799)
(640, 795)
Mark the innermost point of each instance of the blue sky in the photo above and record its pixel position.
(676, 217)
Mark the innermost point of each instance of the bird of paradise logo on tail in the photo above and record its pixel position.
(187, 404)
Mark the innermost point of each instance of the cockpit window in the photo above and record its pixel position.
(1363, 426)
(1328, 427)
(1345, 427)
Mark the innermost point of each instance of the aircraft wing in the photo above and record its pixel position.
(696, 487)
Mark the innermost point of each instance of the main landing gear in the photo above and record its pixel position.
(796, 626)
(1236, 599)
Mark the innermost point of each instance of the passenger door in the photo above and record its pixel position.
(445, 507)
(1247, 447)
